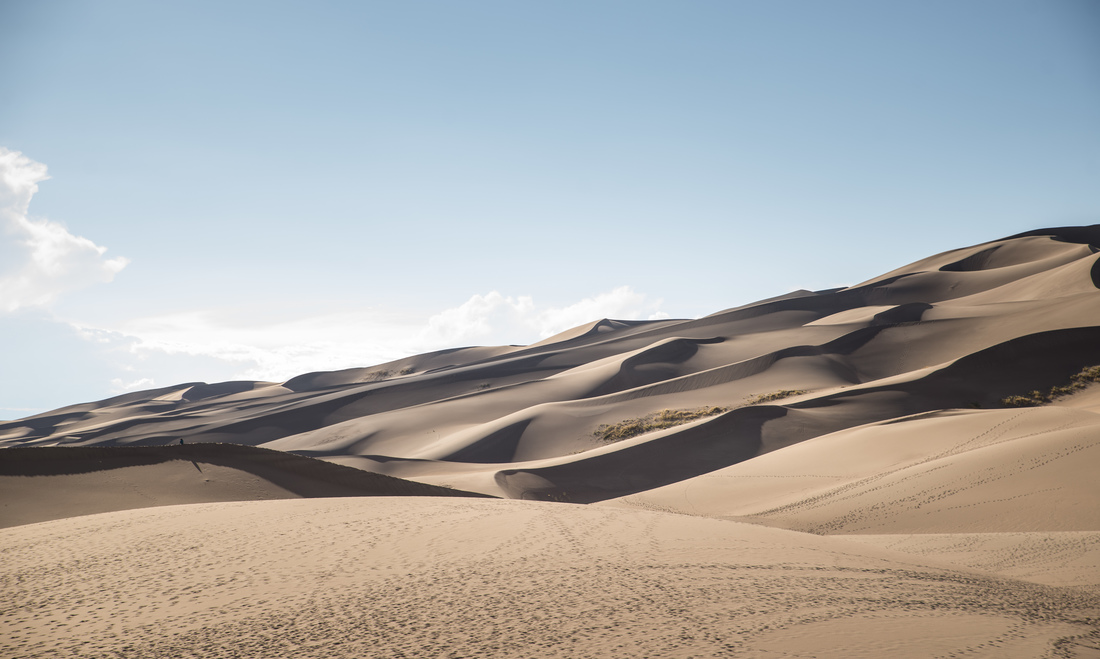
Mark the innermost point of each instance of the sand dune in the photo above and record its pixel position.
(949, 327)
(40, 484)
(956, 471)
(1069, 559)
(464, 577)
(853, 477)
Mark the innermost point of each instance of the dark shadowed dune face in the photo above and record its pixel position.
(915, 456)
(965, 329)
(67, 481)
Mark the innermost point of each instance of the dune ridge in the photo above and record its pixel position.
(950, 327)
(870, 479)
(67, 481)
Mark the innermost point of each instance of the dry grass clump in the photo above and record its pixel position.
(775, 395)
(616, 432)
(385, 374)
(375, 376)
(1077, 382)
(1030, 399)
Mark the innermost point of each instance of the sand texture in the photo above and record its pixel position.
(906, 467)
(65, 482)
(428, 577)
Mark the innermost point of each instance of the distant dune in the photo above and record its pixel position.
(40, 484)
(904, 467)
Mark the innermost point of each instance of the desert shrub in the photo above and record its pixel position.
(385, 374)
(1086, 376)
(1077, 382)
(1030, 399)
(375, 376)
(775, 395)
(616, 432)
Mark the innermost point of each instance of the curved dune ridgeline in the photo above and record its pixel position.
(39, 484)
(964, 329)
(923, 447)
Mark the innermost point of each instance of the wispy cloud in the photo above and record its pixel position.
(121, 386)
(497, 319)
(272, 351)
(277, 351)
(39, 259)
(249, 344)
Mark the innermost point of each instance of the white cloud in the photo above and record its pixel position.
(39, 259)
(479, 319)
(154, 348)
(496, 319)
(119, 386)
(248, 344)
(622, 304)
(273, 351)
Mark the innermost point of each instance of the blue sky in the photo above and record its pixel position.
(259, 189)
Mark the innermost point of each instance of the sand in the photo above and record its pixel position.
(430, 577)
(958, 471)
(41, 484)
(853, 482)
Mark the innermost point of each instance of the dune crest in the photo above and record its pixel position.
(903, 467)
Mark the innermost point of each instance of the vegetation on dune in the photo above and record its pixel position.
(775, 395)
(1030, 399)
(385, 374)
(1077, 382)
(616, 432)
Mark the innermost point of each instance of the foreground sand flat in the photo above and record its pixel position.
(429, 577)
(1056, 559)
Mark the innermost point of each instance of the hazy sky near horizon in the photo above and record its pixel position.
(252, 190)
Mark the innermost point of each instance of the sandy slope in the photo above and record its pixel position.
(955, 471)
(1008, 491)
(1070, 558)
(463, 577)
(897, 506)
(961, 329)
(40, 484)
